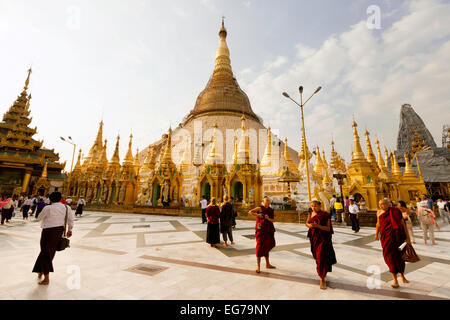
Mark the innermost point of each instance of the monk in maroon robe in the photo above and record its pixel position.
(319, 234)
(393, 233)
(264, 232)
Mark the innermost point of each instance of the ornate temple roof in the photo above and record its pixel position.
(222, 93)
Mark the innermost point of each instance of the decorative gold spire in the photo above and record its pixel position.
(222, 68)
(358, 154)
(44, 171)
(104, 159)
(213, 157)
(318, 165)
(98, 140)
(408, 173)
(266, 161)
(301, 155)
(334, 160)
(380, 161)
(386, 157)
(149, 159)
(115, 158)
(243, 154)
(326, 178)
(324, 160)
(78, 164)
(418, 168)
(370, 155)
(287, 156)
(137, 162)
(129, 155)
(396, 169)
(27, 81)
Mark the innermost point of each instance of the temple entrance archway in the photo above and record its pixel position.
(156, 194)
(206, 190)
(237, 191)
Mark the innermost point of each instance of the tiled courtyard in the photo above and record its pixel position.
(130, 256)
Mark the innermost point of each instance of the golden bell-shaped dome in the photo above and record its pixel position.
(222, 92)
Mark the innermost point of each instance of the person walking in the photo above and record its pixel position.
(81, 202)
(393, 233)
(406, 213)
(354, 215)
(41, 204)
(332, 209)
(319, 234)
(226, 220)
(443, 211)
(426, 221)
(26, 207)
(203, 205)
(53, 219)
(6, 206)
(264, 232)
(34, 202)
(213, 227)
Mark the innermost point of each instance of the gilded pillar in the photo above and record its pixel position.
(26, 181)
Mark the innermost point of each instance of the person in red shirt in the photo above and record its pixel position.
(319, 234)
(264, 232)
(213, 228)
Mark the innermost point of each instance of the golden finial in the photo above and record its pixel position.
(44, 171)
(27, 81)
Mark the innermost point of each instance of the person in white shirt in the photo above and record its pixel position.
(443, 210)
(203, 204)
(26, 207)
(69, 201)
(52, 219)
(354, 215)
(81, 202)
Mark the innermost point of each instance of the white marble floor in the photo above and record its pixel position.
(131, 256)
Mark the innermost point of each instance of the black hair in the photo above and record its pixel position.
(402, 203)
(55, 197)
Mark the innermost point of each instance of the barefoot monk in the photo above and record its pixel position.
(393, 233)
(265, 232)
(319, 234)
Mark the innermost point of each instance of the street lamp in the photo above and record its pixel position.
(69, 140)
(303, 132)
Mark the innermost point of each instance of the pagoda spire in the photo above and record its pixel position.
(380, 161)
(98, 140)
(408, 173)
(287, 156)
(370, 155)
(129, 155)
(167, 156)
(243, 153)
(235, 152)
(334, 160)
(386, 157)
(115, 158)
(222, 67)
(27, 81)
(324, 160)
(358, 154)
(266, 161)
(395, 167)
(44, 171)
(418, 168)
(318, 165)
(213, 157)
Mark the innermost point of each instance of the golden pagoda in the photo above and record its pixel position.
(23, 159)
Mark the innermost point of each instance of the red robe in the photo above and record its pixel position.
(392, 235)
(321, 244)
(265, 233)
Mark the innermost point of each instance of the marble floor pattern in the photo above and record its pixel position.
(131, 256)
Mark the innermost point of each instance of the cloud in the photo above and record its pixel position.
(364, 73)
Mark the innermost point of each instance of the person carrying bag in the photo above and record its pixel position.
(55, 218)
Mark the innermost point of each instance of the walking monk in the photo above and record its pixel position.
(319, 234)
(393, 233)
(265, 232)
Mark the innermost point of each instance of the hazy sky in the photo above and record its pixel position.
(141, 64)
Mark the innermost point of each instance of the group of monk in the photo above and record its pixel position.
(390, 225)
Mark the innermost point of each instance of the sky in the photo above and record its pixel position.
(140, 65)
